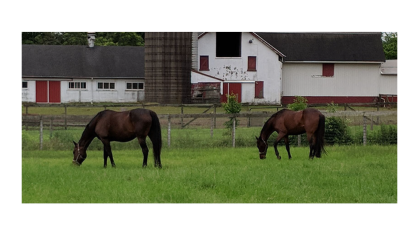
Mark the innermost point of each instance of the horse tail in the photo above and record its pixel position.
(155, 137)
(319, 146)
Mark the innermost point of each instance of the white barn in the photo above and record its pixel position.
(243, 63)
(273, 68)
(63, 74)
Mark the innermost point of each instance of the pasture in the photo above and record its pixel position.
(347, 174)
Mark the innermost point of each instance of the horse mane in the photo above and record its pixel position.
(88, 127)
(267, 123)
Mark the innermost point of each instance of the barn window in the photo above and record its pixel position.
(103, 85)
(77, 85)
(251, 63)
(135, 86)
(24, 84)
(328, 69)
(203, 63)
(259, 89)
(228, 44)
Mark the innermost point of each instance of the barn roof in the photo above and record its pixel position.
(354, 47)
(80, 61)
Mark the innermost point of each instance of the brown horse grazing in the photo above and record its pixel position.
(287, 122)
(123, 126)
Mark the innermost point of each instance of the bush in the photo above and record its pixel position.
(336, 131)
(300, 103)
(232, 106)
(387, 134)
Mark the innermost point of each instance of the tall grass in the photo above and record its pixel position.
(347, 174)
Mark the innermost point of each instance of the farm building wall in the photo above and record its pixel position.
(93, 94)
(351, 82)
(388, 78)
(235, 69)
(28, 94)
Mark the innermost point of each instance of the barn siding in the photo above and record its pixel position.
(268, 68)
(304, 79)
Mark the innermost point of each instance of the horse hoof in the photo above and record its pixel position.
(278, 157)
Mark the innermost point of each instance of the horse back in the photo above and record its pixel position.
(114, 125)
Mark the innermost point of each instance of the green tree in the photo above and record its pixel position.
(80, 38)
(232, 106)
(390, 45)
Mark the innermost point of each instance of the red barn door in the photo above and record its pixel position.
(41, 91)
(229, 88)
(48, 91)
(54, 92)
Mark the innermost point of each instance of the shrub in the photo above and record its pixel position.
(300, 103)
(232, 106)
(336, 131)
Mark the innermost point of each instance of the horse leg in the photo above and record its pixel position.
(105, 157)
(287, 145)
(107, 152)
(310, 139)
(145, 150)
(280, 136)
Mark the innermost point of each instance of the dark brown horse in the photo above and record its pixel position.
(287, 122)
(123, 126)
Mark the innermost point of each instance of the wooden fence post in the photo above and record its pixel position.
(234, 132)
(41, 134)
(181, 117)
(215, 119)
(299, 140)
(365, 130)
(212, 127)
(168, 131)
(26, 125)
(65, 117)
(50, 128)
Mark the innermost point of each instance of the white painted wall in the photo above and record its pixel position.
(230, 69)
(350, 79)
(91, 93)
(28, 94)
(388, 78)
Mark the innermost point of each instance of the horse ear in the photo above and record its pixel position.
(75, 144)
(256, 138)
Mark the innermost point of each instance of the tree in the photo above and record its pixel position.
(390, 45)
(80, 38)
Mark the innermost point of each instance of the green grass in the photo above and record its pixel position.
(347, 174)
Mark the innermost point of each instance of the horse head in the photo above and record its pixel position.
(79, 154)
(262, 146)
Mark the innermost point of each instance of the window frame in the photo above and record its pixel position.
(132, 87)
(328, 69)
(202, 66)
(249, 68)
(75, 87)
(104, 87)
(24, 83)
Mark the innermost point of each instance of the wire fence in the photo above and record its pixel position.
(208, 130)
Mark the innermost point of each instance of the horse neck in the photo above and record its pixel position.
(87, 136)
(267, 129)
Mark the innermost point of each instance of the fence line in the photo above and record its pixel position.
(81, 121)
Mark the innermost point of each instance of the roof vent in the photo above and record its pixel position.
(91, 39)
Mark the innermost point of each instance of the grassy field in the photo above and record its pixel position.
(347, 174)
